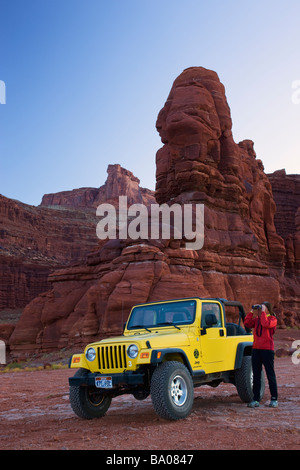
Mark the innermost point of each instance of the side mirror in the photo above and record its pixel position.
(210, 320)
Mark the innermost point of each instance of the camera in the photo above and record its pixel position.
(256, 307)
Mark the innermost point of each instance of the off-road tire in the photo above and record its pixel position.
(172, 390)
(244, 381)
(88, 402)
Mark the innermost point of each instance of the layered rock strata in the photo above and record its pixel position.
(286, 192)
(33, 242)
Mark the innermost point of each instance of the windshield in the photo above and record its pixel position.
(164, 314)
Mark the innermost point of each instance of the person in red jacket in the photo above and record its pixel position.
(263, 322)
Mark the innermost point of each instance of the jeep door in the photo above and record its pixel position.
(213, 334)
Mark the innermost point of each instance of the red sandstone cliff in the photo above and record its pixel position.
(243, 256)
(119, 182)
(61, 231)
(286, 192)
(33, 242)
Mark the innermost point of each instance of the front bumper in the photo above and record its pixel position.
(123, 379)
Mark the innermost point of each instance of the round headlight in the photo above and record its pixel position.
(132, 351)
(90, 354)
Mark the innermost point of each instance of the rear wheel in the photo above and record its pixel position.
(86, 401)
(172, 391)
(244, 381)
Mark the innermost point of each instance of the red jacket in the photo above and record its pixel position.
(263, 330)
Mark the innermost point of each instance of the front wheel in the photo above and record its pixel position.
(172, 391)
(86, 401)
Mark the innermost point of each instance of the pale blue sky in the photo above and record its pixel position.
(85, 80)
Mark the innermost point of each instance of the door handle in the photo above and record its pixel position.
(221, 332)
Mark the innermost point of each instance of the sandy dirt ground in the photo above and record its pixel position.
(35, 414)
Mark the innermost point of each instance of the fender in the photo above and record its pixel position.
(78, 361)
(243, 349)
(158, 355)
(157, 358)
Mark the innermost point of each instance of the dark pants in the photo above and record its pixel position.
(263, 357)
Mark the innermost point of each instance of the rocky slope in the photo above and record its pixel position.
(244, 257)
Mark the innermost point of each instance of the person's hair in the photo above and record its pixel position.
(270, 308)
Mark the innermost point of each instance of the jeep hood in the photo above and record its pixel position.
(158, 339)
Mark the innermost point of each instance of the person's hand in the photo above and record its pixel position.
(254, 313)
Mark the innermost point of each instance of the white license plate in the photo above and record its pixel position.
(103, 382)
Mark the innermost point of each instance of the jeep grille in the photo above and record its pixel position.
(112, 357)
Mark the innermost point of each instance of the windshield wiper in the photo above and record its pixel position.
(168, 323)
(140, 326)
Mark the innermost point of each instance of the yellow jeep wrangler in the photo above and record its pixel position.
(167, 348)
